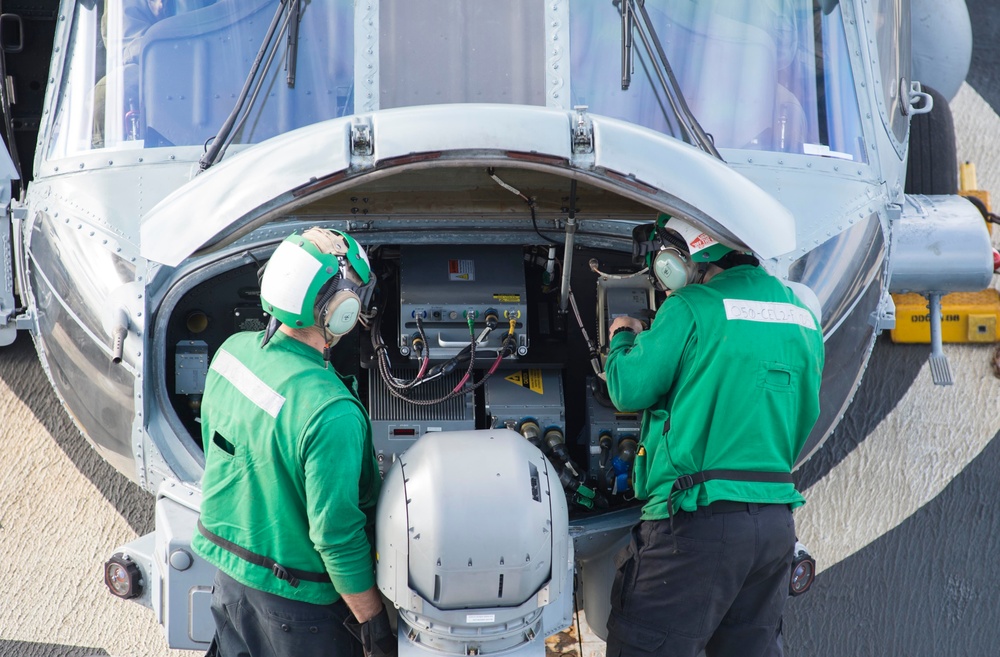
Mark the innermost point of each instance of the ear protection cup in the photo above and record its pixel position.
(341, 312)
(339, 307)
(672, 269)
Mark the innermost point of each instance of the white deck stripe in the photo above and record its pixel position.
(232, 370)
(933, 433)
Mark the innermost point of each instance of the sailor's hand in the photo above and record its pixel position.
(375, 634)
(624, 321)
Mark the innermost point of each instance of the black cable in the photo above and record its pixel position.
(534, 223)
(576, 619)
(491, 172)
(214, 153)
(988, 216)
(256, 92)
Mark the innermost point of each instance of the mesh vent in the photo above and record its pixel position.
(382, 405)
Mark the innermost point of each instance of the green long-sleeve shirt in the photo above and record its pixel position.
(727, 377)
(290, 472)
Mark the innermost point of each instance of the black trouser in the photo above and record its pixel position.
(717, 583)
(252, 623)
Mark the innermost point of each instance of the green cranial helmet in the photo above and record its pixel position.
(701, 246)
(299, 270)
(675, 251)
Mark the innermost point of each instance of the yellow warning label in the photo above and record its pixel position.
(530, 379)
(507, 298)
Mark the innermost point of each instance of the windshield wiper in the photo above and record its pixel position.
(661, 66)
(627, 62)
(292, 49)
(288, 16)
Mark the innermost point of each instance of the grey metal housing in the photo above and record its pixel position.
(472, 534)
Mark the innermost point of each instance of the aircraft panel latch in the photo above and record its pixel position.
(583, 131)
(362, 144)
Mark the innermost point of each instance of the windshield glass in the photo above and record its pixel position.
(770, 75)
(152, 73)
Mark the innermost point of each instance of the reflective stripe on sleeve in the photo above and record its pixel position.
(768, 311)
(232, 370)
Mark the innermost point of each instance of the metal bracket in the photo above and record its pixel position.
(915, 100)
(940, 371)
(362, 143)
(8, 331)
(884, 317)
(583, 132)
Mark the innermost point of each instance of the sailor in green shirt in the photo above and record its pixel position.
(291, 480)
(728, 378)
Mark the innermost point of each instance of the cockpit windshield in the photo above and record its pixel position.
(154, 73)
(768, 75)
(771, 75)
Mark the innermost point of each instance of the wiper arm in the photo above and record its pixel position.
(292, 49)
(287, 10)
(661, 65)
(628, 22)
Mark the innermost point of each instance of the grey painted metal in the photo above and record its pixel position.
(510, 402)
(451, 556)
(940, 371)
(366, 60)
(241, 184)
(884, 29)
(940, 245)
(745, 215)
(824, 222)
(177, 583)
(246, 190)
(72, 286)
(840, 268)
(827, 196)
(942, 40)
(557, 59)
(396, 425)
(8, 327)
(485, 278)
(182, 587)
(847, 351)
(596, 541)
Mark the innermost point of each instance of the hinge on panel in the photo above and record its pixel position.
(361, 138)
(583, 131)
(894, 212)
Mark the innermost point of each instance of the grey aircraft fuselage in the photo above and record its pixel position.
(453, 134)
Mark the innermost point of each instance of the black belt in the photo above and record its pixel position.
(725, 506)
(284, 573)
(685, 482)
